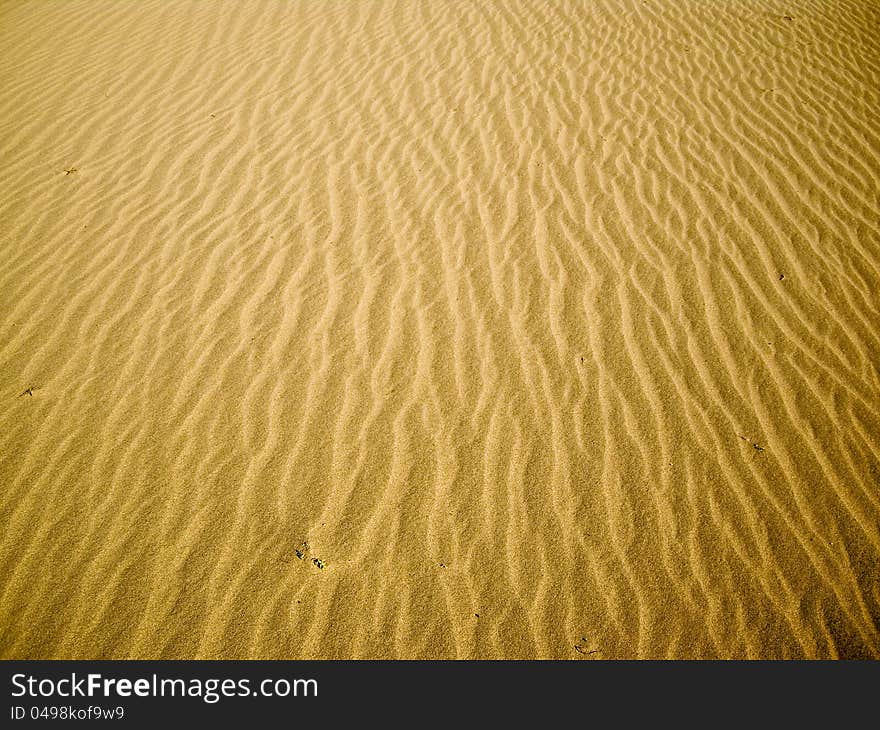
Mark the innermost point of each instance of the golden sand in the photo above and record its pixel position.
(551, 328)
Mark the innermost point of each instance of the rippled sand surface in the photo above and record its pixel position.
(440, 329)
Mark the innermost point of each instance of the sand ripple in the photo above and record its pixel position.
(552, 328)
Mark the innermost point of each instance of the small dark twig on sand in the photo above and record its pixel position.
(755, 446)
(581, 647)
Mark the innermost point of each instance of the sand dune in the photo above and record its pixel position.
(552, 329)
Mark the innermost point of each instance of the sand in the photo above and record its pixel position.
(359, 329)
